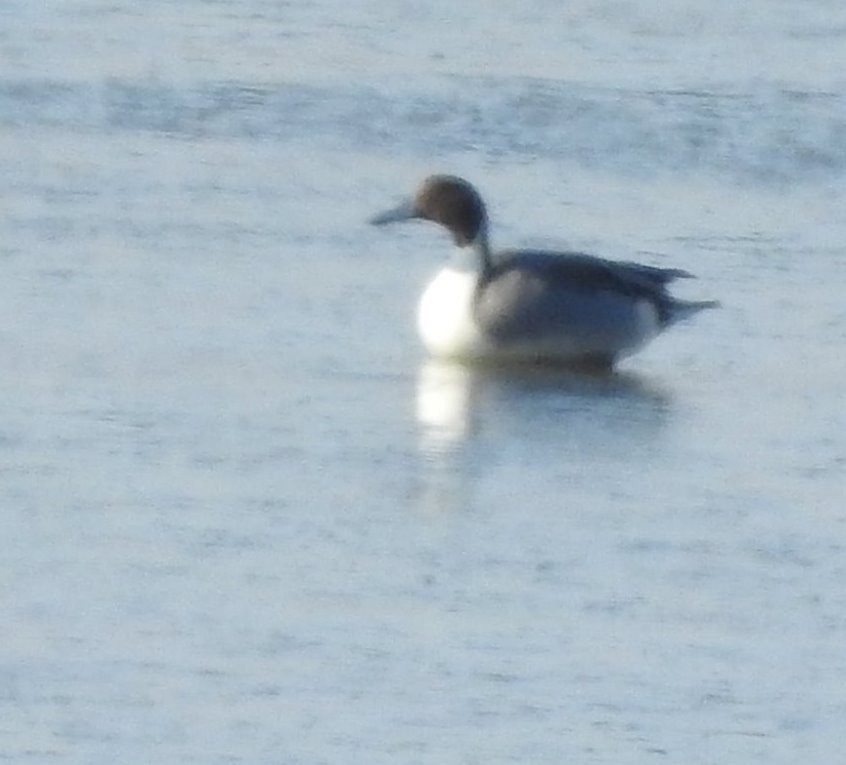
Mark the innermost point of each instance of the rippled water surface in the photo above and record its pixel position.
(245, 520)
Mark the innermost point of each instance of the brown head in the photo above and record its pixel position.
(444, 199)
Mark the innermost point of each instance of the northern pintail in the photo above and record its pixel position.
(532, 305)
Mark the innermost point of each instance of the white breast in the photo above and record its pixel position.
(445, 315)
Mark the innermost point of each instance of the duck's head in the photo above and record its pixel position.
(444, 199)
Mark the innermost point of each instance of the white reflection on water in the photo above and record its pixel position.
(443, 404)
(450, 396)
(470, 418)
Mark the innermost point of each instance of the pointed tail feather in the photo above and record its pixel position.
(684, 309)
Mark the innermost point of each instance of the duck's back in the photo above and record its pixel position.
(571, 304)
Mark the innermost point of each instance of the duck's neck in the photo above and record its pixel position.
(476, 256)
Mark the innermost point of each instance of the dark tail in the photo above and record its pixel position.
(684, 309)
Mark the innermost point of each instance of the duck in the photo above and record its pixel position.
(531, 305)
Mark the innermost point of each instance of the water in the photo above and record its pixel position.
(246, 521)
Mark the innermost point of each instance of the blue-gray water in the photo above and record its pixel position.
(244, 520)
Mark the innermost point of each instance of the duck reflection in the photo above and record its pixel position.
(471, 418)
(444, 404)
(453, 398)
